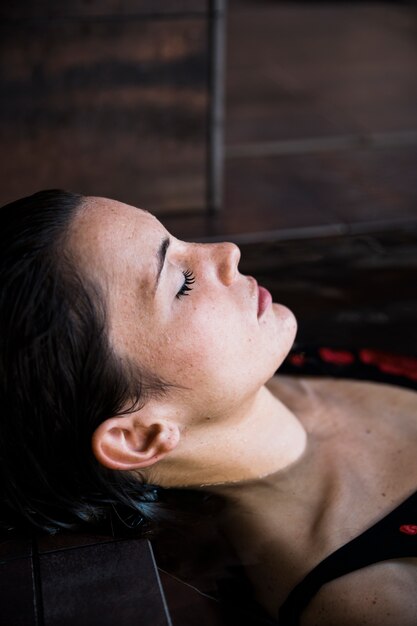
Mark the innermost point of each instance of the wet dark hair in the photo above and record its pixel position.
(59, 379)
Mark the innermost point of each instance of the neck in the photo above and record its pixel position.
(262, 438)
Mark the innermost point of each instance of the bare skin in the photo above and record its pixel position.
(359, 464)
(306, 464)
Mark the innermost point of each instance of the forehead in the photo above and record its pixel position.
(106, 233)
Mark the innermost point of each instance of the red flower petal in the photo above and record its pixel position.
(409, 529)
(339, 357)
(390, 363)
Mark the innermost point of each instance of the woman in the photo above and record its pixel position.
(131, 359)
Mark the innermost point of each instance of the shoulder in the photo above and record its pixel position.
(353, 397)
(362, 391)
(384, 594)
(299, 382)
(383, 406)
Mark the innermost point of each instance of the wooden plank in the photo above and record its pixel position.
(88, 8)
(331, 187)
(69, 540)
(16, 593)
(106, 584)
(309, 69)
(112, 109)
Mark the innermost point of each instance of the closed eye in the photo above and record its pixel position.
(189, 279)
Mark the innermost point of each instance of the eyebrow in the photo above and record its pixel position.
(161, 254)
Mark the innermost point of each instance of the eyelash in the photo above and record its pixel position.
(189, 279)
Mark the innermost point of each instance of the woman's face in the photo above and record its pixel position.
(181, 310)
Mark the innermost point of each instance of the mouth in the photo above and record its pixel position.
(264, 298)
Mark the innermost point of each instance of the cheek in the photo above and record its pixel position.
(217, 347)
(208, 346)
(191, 354)
(197, 345)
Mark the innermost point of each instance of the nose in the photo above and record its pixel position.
(228, 257)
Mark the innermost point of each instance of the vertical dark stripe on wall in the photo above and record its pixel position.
(215, 125)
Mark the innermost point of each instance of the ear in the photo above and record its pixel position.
(128, 442)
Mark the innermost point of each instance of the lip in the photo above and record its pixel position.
(262, 295)
(264, 300)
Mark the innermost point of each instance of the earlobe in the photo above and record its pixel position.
(127, 442)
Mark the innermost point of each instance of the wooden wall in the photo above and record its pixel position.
(106, 97)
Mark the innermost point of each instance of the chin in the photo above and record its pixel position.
(287, 329)
(286, 317)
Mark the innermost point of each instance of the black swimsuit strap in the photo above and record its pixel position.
(394, 536)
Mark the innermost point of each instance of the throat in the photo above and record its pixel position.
(268, 438)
